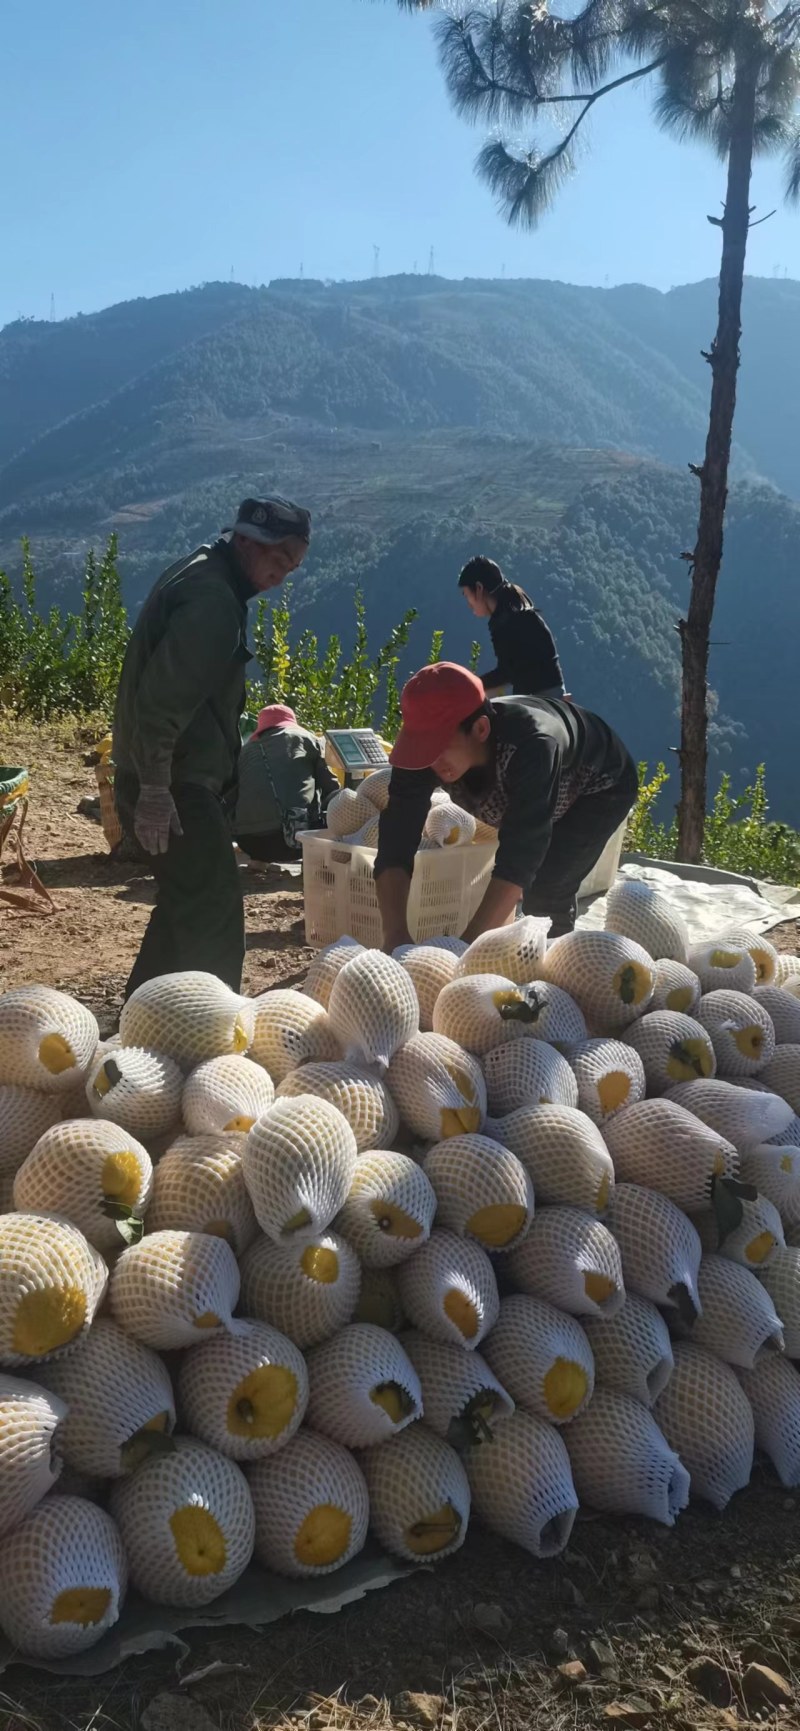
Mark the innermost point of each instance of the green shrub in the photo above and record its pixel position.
(739, 835)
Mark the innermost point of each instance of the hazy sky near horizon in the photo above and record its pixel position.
(156, 146)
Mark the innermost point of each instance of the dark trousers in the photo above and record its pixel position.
(198, 919)
(578, 840)
(269, 848)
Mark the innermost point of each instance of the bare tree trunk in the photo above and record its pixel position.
(713, 475)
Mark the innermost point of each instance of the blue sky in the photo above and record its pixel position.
(154, 145)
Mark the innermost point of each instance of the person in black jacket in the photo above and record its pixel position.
(527, 658)
(553, 779)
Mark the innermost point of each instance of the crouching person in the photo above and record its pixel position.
(285, 786)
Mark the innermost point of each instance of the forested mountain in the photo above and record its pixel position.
(422, 421)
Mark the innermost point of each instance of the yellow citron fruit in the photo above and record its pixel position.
(598, 1287)
(263, 1403)
(498, 1224)
(681, 999)
(102, 1083)
(298, 1221)
(219, 1229)
(209, 1319)
(240, 1040)
(459, 1121)
(565, 1386)
(434, 1532)
(749, 1041)
(601, 1199)
(323, 1537)
(320, 1263)
(394, 1221)
(56, 1054)
(393, 1399)
(48, 1319)
(688, 1060)
(122, 1178)
(724, 959)
(632, 983)
(462, 1313)
(760, 1247)
(502, 1000)
(199, 1541)
(719, 1165)
(240, 1125)
(82, 1605)
(786, 1163)
(613, 1090)
(452, 836)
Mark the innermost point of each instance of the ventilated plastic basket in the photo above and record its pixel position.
(340, 899)
(604, 874)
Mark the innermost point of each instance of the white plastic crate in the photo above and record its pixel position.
(340, 898)
(604, 873)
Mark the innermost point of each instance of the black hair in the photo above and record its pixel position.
(488, 573)
(469, 721)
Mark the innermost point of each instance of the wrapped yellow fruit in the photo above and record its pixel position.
(637, 910)
(171, 1288)
(775, 1172)
(516, 951)
(419, 1497)
(462, 1399)
(738, 1321)
(198, 1186)
(312, 1507)
(308, 1291)
(244, 1395)
(781, 1278)
(706, 1418)
(140, 1091)
(298, 1166)
(788, 970)
(290, 1029)
(677, 988)
(783, 1011)
(187, 1523)
(632, 1350)
(542, 1357)
(91, 1172)
(325, 966)
(660, 1249)
(438, 1089)
(51, 1283)
(782, 1074)
(660, 1146)
(363, 1387)
(373, 1008)
(429, 970)
(448, 1290)
(773, 1390)
(722, 966)
(31, 1435)
(367, 835)
(25, 1114)
(481, 1011)
(483, 1191)
(390, 1210)
(449, 825)
(763, 953)
(188, 1017)
(64, 1579)
(522, 1485)
(347, 812)
(753, 1242)
(375, 787)
(119, 1401)
(742, 1116)
(621, 1462)
(610, 1078)
(562, 1151)
(225, 1095)
(379, 1300)
(741, 1032)
(527, 1073)
(673, 1048)
(572, 1261)
(47, 1040)
(356, 1092)
(610, 977)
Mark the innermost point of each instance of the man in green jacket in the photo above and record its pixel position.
(177, 741)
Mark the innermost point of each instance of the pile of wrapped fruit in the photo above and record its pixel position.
(464, 1232)
(354, 814)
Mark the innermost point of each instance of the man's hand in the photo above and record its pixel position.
(497, 908)
(155, 819)
(395, 939)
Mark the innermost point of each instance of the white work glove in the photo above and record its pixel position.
(155, 819)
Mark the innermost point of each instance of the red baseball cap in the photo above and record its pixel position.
(433, 703)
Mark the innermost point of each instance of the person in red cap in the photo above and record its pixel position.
(284, 786)
(552, 778)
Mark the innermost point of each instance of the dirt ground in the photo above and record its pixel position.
(634, 1626)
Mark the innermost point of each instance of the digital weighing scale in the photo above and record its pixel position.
(358, 752)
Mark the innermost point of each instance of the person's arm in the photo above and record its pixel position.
(399, 835)
(532, 787)
(496, 909)
(200, 641)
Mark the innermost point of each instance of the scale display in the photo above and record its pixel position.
(358, 750)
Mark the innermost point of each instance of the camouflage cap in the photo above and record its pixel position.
(271, 520)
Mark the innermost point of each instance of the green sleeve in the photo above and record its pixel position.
(202, 635)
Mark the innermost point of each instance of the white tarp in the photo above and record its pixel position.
(709, 907)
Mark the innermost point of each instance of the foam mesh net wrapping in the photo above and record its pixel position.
(52, 1281)
(198, 1186)
(187, 1523)
(741, 1115)
(326, 965)
(753, 1242)
(622, 1463)
(419, 1496)
(658, 1145)
(244, 1395)
(363, 1387)
(114, 1388)
(783, 1011)
(438, 1089)
(189, 1017)
(390, 1210)
(632, 1350)
(481, 1011)
(707, 1419)
(141, 1091)
(460, 1392)
(361, 1097)
(429, 971)
(741, 1032)
(542, 1357)
(636, 910)
(720, 965)
(308, 1291)
(47, 1040)
(773, 1390)
(448, 825)
(373, 1008)
(482, 1190)
(781, 1279)
(782, 1075)
(379, 1300)
(298, 1166)
(676, 988)
(171, 1288)
(775, 1172)
(673, 1048)
(516, 951)
(739, 1323)
(563, 1151)
(25, 1114)
(610, 977)
(347, 812)
(763, 953)
(64, 1579)
(375, 787)
(448, 1289)
(572, 1261)
(225, 1095)
(31, 1417)
(610, 1077)
(659, 1247)
(522, 1485)
(311, 1506)
(527, 1073)
(77, 1169)
(291, 1029)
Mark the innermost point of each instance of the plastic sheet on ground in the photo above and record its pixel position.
(257, 1599)
(708, 906)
